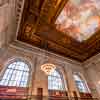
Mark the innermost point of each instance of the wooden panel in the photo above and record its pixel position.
(85, 95)
(9, 92)
(39, 93)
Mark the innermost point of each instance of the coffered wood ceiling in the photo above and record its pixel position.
(38, 28)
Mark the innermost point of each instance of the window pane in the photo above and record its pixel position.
(26, 68)
(16, 75)
(55, 82)
(11, 83)
(80, 84)
(2, 82)
(12, 65)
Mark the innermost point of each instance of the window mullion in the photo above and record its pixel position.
(18, 69)
(53, 81)
(11, 76)
(21, 78)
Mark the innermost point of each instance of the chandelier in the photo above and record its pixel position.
(48, 68)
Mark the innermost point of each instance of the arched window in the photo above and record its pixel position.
(16, 74)
(55, 81)
(80, 83)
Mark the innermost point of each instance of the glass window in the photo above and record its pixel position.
(55, 81)
(81, 85)
(16, 74)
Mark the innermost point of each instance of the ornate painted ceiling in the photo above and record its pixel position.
(80, 19)
(66, 27)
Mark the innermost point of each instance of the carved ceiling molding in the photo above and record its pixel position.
(40, 52)
(38, 24)
(93, 60)
(19, 9)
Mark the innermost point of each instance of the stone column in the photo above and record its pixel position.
(40, 80)
(93, 77)
(71, 84)
(32, 77)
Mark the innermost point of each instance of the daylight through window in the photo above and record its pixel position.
(55, 81)
(16, 74)
(81, 85)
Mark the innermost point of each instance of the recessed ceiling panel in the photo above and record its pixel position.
(80, 19)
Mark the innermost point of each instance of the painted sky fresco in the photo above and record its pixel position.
(80, 19)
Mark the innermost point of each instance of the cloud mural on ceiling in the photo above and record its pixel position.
(80, 19)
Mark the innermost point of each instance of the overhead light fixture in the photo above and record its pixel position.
(48, 68)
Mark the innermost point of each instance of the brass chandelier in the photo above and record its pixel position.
(47, 67)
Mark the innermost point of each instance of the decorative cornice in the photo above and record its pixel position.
(31, 49)
(93, 60)
(19, 10)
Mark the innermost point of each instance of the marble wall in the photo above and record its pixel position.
(92, 67)
(36, 57)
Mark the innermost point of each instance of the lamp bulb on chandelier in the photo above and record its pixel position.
(48, 68)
